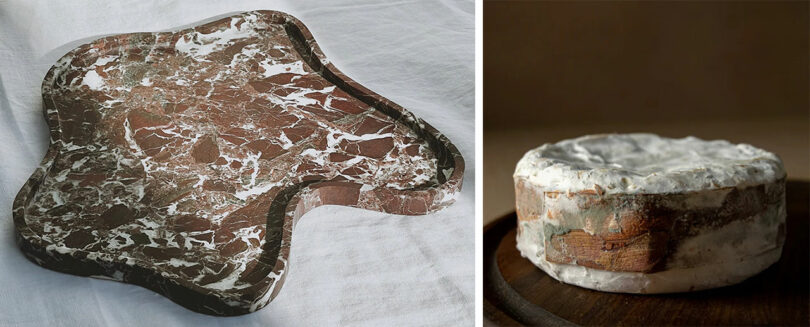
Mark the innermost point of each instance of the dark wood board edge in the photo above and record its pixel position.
(497, 291)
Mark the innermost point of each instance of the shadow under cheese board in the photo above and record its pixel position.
(180, 161)
(518, 293)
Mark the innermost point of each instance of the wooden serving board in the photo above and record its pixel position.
(518, 293)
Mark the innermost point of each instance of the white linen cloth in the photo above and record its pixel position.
(348, 266)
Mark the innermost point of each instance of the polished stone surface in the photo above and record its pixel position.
(181, 161)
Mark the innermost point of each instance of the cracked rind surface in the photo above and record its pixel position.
(180, 161)
(651, 243)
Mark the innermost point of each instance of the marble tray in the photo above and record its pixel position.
(180, 161)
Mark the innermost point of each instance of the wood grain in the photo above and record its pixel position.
(516, 292)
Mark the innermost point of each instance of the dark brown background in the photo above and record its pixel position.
(728, 70)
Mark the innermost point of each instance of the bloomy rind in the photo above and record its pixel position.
(634, 232)
(640, 163)
(658, 242)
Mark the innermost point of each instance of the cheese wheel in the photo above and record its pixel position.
(640, 213)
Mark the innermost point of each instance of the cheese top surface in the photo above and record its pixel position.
(646, 164)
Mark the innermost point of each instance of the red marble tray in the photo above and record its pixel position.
(181, 161)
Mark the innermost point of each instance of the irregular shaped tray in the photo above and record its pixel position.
(181, 161)
(516, 292)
